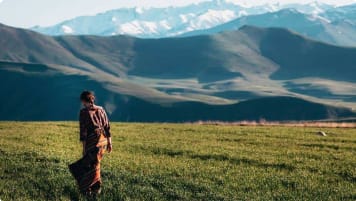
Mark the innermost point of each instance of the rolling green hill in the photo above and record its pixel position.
(186, 162)
(245, 74)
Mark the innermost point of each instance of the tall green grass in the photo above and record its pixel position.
(182, 162)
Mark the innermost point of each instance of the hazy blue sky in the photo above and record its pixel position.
(27, 13)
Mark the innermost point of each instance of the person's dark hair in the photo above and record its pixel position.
(87, 96)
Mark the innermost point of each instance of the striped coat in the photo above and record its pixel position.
(94, 131)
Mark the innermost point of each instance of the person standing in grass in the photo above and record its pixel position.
(96, 139)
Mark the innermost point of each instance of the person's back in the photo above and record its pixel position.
(92, 118)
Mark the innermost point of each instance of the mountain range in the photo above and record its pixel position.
(338, 33)
(319, 21)
(247, 74)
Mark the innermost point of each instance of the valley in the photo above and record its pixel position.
(173, 75)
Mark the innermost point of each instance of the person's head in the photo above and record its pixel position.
(87, 98)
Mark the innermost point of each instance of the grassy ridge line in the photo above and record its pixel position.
(344, 123)
(318, 124)
(182, 162)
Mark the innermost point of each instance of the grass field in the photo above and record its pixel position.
(183, 162)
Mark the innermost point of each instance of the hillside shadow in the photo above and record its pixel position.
(219, 157)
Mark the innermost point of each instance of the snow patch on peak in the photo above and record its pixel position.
(315, 17)
(67, 29)
(273, 7)
(212, 18)
(315, 4)
(242, 13)
(185, 18)
(243, 4)
(316, 8)
(138, 28)
(139, 10)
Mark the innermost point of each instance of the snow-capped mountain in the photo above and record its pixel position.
(344, 13)
(170, 21)
(318, 28)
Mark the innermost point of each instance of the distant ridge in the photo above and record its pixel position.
(304, 24)
(248, 74)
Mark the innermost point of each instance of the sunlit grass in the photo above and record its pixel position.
(183, 162)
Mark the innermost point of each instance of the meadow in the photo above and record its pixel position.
(182, 162)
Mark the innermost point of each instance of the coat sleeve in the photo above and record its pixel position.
(83, 126)
(106, 124)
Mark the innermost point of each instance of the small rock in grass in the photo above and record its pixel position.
(322, 133)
